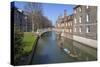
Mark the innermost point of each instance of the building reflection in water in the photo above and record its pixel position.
(75, 49)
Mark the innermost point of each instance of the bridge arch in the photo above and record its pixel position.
(41, 32)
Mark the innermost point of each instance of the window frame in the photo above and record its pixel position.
(80, 9)
(80, 19)
(87, 7)
(75, 29)
(80, 29)
(75, 21)
(87, 17)
(88, 29)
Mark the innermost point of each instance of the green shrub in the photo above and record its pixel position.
(18, 44)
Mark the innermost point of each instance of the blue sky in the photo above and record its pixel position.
(52, 11)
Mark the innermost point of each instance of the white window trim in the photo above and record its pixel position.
(87, 18)
(62, 24)
(66, 24)
(74, 11)
(87, 30)
(80, 29)
(80, 9)
(74, 29)
(75, 20)
(71, 23)
(58, 25)
(70, 30)
(87, 7)
(80, 19)
(67, 30)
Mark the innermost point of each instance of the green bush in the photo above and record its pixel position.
(18, 44)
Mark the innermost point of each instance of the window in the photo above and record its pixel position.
(74, 11)
(67, 30)
(87, 18)
(80, 29)
(25, 17)
(87, 7)
(88, 29)
(71, 23)
(58, 25)
(62, 25)
(66, 24)
(74, 29)
(80, 9)
(80, 19)
(75, 20)
(70, 30)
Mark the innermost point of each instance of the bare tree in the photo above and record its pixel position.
(34, 11)
(36, 14)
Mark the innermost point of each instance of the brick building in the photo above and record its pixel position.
(85, 21)
(20, 19)
(81, 26)
(65, 24)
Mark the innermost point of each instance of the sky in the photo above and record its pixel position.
(52, 11)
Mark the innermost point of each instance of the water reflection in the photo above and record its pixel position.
(52, 48)
(77, 50)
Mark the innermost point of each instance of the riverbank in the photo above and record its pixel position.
(89, 42)
(28, 44)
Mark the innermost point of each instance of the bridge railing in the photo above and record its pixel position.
(40, 31)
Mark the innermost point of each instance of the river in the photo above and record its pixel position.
(52, 49)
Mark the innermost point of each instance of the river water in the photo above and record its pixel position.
(52, 49)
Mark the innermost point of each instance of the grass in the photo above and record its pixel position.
(28, 41)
